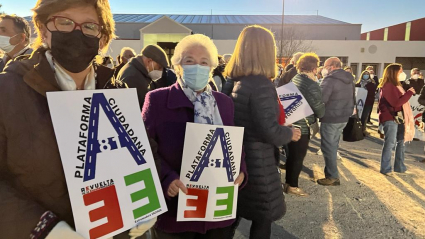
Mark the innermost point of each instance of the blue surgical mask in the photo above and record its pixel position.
(365, 77)
(196, 76)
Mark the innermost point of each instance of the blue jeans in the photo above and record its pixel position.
(331, 134)
(394, 138)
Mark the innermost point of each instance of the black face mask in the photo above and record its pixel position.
(74, 51)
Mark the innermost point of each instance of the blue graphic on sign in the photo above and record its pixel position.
(94, 146)
(360, 103)
(205, 160)
(297, 99)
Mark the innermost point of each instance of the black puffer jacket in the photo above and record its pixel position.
(256, 109)
(313, 94)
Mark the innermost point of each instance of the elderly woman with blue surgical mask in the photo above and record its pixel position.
(166, 112)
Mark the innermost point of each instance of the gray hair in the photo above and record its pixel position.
(191, 41)
(296, 57)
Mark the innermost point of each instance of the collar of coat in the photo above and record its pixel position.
(38, 74)
(137, 62)
(177, 98)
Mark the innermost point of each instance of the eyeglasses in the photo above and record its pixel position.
(66, 25)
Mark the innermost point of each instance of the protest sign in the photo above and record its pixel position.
(361, 95)
(210, 166)
(295, 105)
(417, 111)
(109, 167)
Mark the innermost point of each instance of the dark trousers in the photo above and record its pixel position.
(225, 233)
(261, 229)
(367, 110)
(294, 162)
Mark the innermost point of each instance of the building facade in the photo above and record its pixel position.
(406, 31)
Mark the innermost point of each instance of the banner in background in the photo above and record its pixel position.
(295, 105)
(417, 111)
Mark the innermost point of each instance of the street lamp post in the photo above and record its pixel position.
(281, 33)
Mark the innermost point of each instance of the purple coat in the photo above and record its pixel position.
(165, 113)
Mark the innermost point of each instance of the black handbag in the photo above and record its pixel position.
(353, 131)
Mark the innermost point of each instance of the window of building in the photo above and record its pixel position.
(386, 34)
(408, 27)
(368, 36)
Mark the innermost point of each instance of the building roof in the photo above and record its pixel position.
(227, 19)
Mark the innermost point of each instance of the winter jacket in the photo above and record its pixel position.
(338, 96)
(391, 100)
(166, 112)
(371, 91)
(313, 94)
(416, 84)
(257, 110)
(32, 180)
(3, 61)
(287, 76)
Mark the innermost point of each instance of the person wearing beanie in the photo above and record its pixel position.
(143, 71)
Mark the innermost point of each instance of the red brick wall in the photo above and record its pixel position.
(417, 32)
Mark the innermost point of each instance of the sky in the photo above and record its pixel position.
(372, 14)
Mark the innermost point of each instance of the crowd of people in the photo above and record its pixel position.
(195, 85)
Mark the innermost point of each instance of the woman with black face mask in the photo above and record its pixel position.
(34, 200)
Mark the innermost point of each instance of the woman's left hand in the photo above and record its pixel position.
(239, 179)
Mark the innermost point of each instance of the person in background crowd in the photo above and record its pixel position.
(319, 75)
(338, 96)
(168, 79)
(376, 79)
(226, 58)
(367, 83)
(108, 62)
(372, 74)
(415, 81)
(421, 101)
(305, 81)
(166, 112)
(394, 104)
(290, 70)
(350, 70)
(218, 74)
(15, 34)
(142, 70)
(34, 200)
(257, 110)
(126, 54)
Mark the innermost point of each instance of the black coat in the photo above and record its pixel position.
(256, 109)
(287, 76)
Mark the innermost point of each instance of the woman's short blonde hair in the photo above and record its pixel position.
(45, 8)
(192, 41)
(255, 54)
(308, 62)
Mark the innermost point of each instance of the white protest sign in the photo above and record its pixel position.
(295, 105)
(210, 166)
(361, 95)
(109, 167)
(417, 111)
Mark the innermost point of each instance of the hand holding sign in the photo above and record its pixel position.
(174, 188)
(239, 179)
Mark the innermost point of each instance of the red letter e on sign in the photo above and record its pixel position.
(200, 203)
(111, 211)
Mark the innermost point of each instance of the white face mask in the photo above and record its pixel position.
(402, 76)
(372, 76)
(325, 72)
(155, 74)
(415, 76)
(110, 66)
(5, 44)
